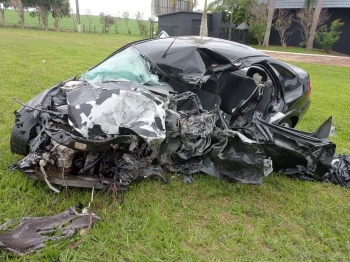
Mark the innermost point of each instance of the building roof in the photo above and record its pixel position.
(296, 4)
(243, 26)
(178, 12)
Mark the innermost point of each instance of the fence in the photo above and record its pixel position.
(160, 7)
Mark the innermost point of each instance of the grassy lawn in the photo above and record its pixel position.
(67, 23)
(293, 50)
(210, 220)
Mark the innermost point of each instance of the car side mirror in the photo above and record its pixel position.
(163, 34)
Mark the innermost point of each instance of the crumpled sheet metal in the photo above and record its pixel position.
(338, 173)
(195, 145)
(182, 137)
(307, 156)
(32, 232)
(106, 108)
(230, 158)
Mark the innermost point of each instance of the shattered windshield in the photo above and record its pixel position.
(127, 65)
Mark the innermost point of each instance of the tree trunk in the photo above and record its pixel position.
(57, 12)
(310, 41)
(46, 22)
(41, 17)
(2, 17)
(21, 18)
(204, 24)
(230, 29)
(57, 23)
(284, 44)
(272, 4)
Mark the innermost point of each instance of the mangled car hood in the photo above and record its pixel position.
(107, 108)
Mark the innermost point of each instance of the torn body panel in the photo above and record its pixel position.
(108, 108)
(32, 232)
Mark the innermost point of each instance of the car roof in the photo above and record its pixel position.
(229, 49)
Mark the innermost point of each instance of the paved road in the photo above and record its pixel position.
(310, 58)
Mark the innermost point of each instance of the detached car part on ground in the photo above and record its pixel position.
(183, 105)
(31, 233)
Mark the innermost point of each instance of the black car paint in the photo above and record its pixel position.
(296, 102)
(295, 89)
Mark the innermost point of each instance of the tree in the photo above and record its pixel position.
(59, 9)
(233, 11)
(326, 38)
(272, 5)
(229, 10)
(304, 18)
(316, 17)
(126, 16)
(89, 17)
(116, 23)
(283, 21)
(142, 25)
(3, 5)
(236, 11)
(258, 20)
(204, 23)
(42, 11)
(19, 8)
(106, 21)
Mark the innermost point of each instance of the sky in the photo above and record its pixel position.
(117, 7)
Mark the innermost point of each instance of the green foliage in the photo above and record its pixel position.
(209, 220)
(106, 21)
(4, 4)
(60, 8)
(303, 44)
(142, 24)
(309, 4)
(233, 11)
(67, 24)
(257, 31)
(327, 37)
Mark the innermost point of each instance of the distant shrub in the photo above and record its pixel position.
(142, 25)
(327, 37)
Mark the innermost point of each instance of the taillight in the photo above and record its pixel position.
(308, 88)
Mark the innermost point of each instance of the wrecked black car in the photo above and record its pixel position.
(184, 105)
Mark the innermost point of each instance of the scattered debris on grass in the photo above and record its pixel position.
(32, 232)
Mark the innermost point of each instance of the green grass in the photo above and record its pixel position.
(293, 50)
(210, 220)
(67, 23)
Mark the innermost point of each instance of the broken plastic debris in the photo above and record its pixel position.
(32, 232)
(332, 133)
(188, 179)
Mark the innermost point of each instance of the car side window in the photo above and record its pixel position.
(283, 71)
(288, 79)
